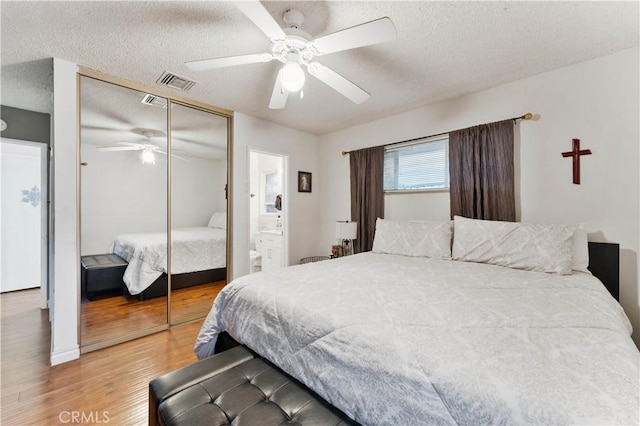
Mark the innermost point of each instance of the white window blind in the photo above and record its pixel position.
(270, 191)
(419, 166)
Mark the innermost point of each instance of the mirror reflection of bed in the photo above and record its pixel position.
(125, 182)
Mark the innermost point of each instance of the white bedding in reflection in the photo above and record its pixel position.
(192, 249)
(394, 340)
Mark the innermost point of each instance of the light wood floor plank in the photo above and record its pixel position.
(111, 383)
(106, 318)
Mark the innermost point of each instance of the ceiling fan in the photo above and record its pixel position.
(148, 149)
(295, 49)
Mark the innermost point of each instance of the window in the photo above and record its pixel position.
(423, 165)
(271, 188)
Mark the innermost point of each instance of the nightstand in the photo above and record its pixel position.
(102, 273)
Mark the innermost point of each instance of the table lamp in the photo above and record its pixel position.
(346, 232)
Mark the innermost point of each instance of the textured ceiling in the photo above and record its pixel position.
(443, 50)
(112, 114)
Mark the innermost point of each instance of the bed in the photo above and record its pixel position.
(410, 339)
(198, 255)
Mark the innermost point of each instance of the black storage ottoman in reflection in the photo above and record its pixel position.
(102, 275)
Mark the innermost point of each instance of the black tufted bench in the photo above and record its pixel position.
(238, 387)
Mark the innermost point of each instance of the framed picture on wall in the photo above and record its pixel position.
(304, 181)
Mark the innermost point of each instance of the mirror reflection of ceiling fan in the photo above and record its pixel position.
(148, 148)
(297, 49)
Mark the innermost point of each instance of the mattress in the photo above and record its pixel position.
(400, 340)
(192, 249)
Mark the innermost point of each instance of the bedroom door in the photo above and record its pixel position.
(199, 145)
(267, 211)
(24, 215)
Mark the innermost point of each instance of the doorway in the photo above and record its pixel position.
(268, 213)
(24, 216)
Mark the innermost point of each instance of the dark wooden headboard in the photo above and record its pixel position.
(604, 264)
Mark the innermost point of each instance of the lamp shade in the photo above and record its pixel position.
(347, 230)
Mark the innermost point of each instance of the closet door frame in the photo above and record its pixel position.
(174, 321)
(171, 97)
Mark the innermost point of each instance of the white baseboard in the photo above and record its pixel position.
(64, 356)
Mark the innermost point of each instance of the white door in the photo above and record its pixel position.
(268, 213)
(23, 212)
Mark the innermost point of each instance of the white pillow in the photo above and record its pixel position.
(415, 238)
(580, 250)
(218, 220)
(533, 247)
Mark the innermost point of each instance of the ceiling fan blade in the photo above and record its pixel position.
(229, 61)
(366, 34)
(127, 143)
(255, 11)
(279, 95)
(85, 127)
(338, 82)
(118, 148)
(173, 155)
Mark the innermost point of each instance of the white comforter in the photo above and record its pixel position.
(413, 341)
(192, 249)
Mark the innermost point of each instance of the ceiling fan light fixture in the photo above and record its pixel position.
(292, 77)
(148, 157)
(294, 47)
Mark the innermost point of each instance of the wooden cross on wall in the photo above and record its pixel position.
(576, 153)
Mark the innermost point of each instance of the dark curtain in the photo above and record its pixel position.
(481, 172)
(367, 193)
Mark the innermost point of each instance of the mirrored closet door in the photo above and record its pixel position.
(123, 207)
(198, 210)
(153, 205)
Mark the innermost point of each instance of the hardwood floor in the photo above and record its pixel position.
(193, 302)
(109, 386)
(106, 318)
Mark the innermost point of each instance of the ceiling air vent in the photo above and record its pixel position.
(176, 81)
(154, 100)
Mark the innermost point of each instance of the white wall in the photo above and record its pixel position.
(64, 259)
(303, 215)
(595, 101)
(218, 185)
(121, 195)
(197, 191)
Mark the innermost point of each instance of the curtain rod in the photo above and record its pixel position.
(527, 116)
